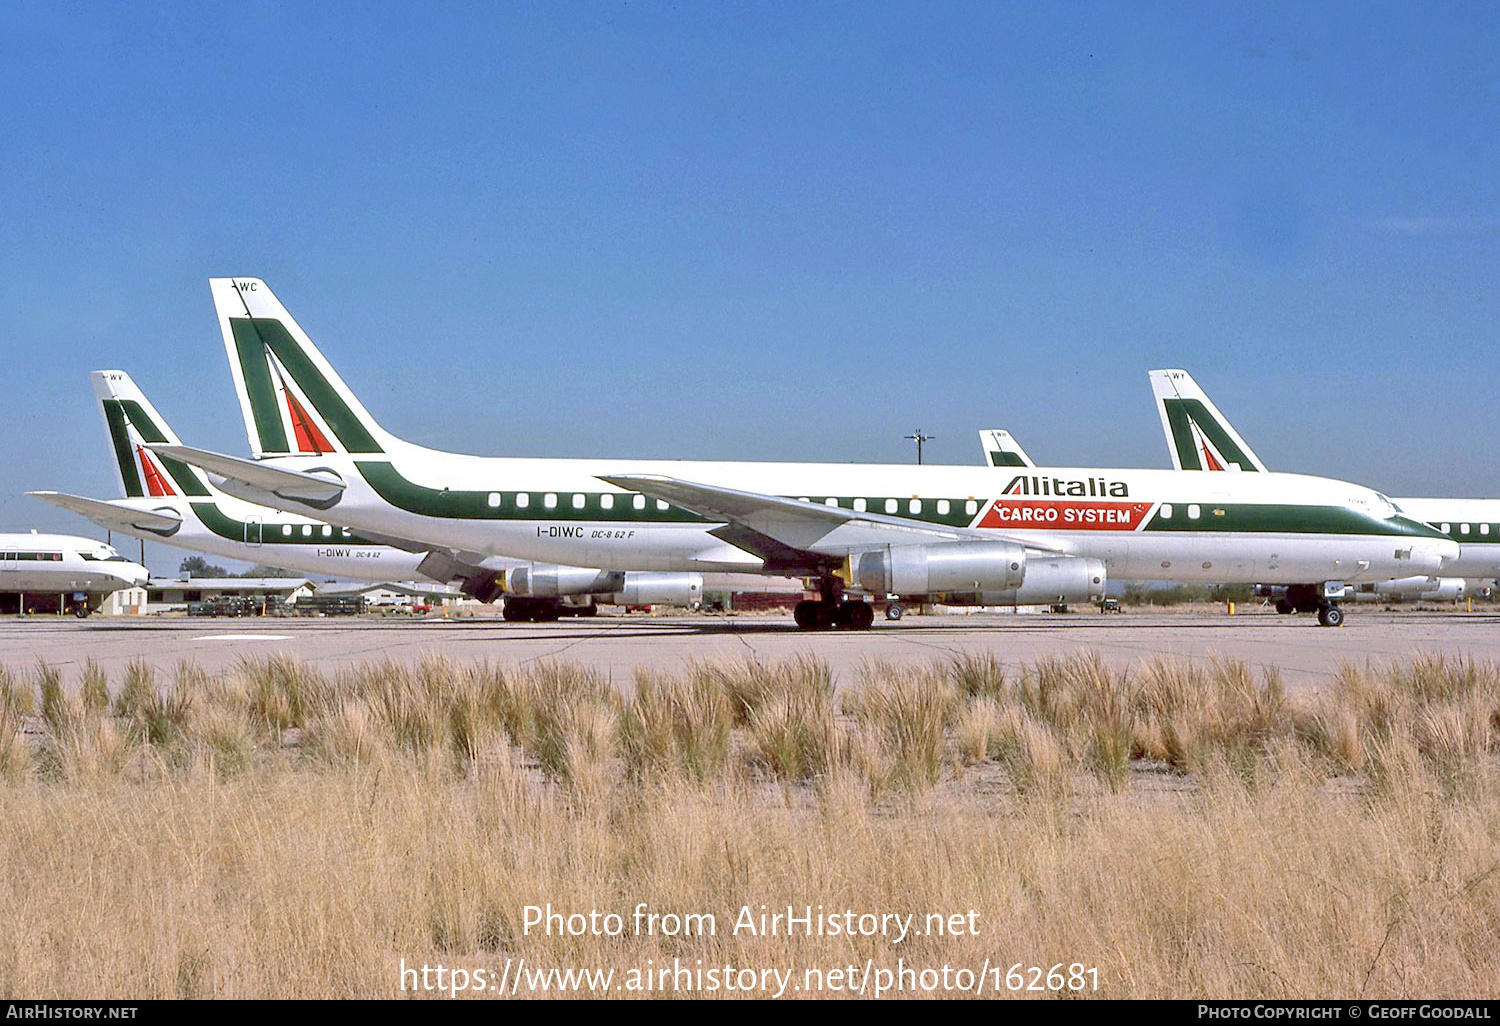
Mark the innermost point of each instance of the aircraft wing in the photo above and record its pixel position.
(292, 485)
(439, 564)
(115, 516)
(783, 531)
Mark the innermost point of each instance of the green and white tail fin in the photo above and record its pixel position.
(1198, 435)
(1002, 450)
(132, 424)
(293, 401)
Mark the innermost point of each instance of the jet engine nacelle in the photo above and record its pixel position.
(1449, 589)
(615, 586)
(646, 589)
(1050, 580)
(948, 567)
(1427, 589)
(546, 581)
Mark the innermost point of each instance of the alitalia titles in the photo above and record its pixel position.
(1034, 484)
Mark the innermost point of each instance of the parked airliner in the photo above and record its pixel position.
(951, 532)
(78, 572)
(168, 501)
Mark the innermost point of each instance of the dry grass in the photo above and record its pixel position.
(1187, 829)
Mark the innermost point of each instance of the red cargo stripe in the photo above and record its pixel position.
(1065, 514)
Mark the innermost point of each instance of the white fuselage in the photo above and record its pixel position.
(1473, 523)
(255, 534)
(64, 564)
(1144, 524)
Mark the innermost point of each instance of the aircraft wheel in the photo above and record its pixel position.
(1284, 607)
(808, 615)
(82, 612)
(515, 610)
(893, 611)
(1331, 616)
(859, 615)
(545, 612)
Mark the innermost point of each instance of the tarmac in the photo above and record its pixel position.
(1307, 655)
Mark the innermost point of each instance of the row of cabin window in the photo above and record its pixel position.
(1464, 528)
(1194, 511)
(913, 506)
(43, 557)
(607, 501)
(549, 501)
(307, 531)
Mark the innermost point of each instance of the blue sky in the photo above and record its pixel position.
(766, 231)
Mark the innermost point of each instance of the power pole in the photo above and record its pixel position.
(919, 438)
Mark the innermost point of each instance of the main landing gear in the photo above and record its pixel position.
(1306, 598)
(820, 615)
(833, 610)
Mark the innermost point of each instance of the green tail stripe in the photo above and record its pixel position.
(114, 416)
(1182, 411)
(144, 425)
(253, 336)
(189, 481)
(258, 386)
(1006, 459)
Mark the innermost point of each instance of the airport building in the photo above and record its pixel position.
(179, 593)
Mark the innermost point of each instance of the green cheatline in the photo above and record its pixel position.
(1246, 518)
(270, 532)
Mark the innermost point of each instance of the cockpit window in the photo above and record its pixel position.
(1395, 509)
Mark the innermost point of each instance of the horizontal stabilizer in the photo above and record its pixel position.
(115, 516)
(316, 490)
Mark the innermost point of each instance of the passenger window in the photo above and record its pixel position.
(307, 530)
(494, 500)
(860, 505)
(1193, 511)
(1447, 528)
(1484, 528)
(577, 500)
(523, 499)
(327, 531)
(1166, 511)
(606, 502)
(1463, 528)
(662, 505)
(830, 501)
(942, 507)
(890, 505)
(639, 502)
(971, 507)
(549, 500)
(286, 530)
(914, 506)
